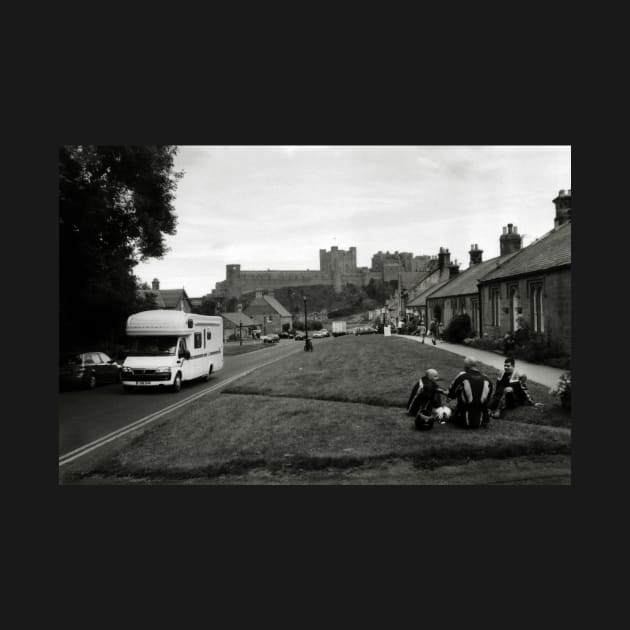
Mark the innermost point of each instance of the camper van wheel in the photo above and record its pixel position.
(208, 375)
(177, 383)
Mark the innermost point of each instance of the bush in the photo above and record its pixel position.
(563, 391)
(458, 329)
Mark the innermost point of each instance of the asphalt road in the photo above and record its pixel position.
(85, 416)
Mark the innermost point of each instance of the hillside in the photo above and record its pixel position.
(322, 298)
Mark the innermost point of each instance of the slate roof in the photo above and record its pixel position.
(276, 305)
(238, 318)
(172, 297)
(421, 298)
(465, 282)
(548, 252)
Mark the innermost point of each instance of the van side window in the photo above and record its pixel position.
(182, 347)
(198, 340)
(209, 335)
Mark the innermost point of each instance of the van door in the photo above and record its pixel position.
(186, 365)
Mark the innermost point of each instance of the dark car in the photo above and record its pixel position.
(87, 369)
(299, 336)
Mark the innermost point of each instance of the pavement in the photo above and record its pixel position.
(542, 374)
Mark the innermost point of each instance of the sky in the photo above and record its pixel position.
(275, 207)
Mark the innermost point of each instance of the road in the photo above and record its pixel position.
(86, 416)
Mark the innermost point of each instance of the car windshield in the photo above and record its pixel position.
(70, 359)
(153, 346)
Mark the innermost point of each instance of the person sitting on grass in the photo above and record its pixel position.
(511, 390)
(425, 397)
(472, 390)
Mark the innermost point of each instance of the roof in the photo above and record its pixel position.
(548, 252)
(421, 298)
(276, 306)
(172, 297)
(238, 318)
(465, 282)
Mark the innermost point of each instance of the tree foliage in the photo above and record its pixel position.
(115, 207)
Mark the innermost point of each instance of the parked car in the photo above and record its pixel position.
(300, 335)
(87, 369)
(270, 338)
(364, 330)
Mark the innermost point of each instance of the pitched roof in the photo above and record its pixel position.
(549, 251)
(465, 282)
(276, 305)
(238, 318)
(421, 298)
(159, 302)
(172, 297)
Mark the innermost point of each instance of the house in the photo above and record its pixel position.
(461, 293)
(534, 286)
(442, 270)
(268, 313)
(237, 323)
(171, 299)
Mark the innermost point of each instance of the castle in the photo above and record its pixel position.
(337, 268)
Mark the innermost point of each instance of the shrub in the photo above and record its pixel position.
(563, 391)
(458, 329)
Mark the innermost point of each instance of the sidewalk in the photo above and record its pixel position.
(542, 374)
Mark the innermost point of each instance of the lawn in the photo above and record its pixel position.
(378, 370)
(318, 416)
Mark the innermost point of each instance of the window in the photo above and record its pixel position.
(198, 340)
(514, 305)
(536, 302)
(208, 334)
(474, 304)
(494, 306)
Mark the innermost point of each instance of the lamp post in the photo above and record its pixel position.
(240, 333)
(305, 326)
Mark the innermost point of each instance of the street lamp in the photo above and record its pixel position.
(305, 327)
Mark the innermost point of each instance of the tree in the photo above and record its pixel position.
(208, 306)
(115, 206)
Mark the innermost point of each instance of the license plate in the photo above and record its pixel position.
(144, 383)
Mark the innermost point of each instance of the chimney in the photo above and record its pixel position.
(453, 269)
(155, 284)
(444, 258)
(239, 308)
(475, 255)
(563, 208)
(510, 241)
(259, 294)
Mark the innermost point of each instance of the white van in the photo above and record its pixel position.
(169, 347)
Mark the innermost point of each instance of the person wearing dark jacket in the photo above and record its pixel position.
(472, 390)
(511, 390)
(425, 397)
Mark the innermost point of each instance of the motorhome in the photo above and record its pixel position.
(169, 347)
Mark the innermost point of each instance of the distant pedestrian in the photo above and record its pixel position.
(433, 329)
(440, 330)
(422, 331)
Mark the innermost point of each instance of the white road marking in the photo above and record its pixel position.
(87, 448)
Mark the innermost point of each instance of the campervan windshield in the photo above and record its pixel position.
(153, 346)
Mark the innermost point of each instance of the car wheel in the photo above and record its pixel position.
(91, 381)
(177, 383)
(208, 375)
